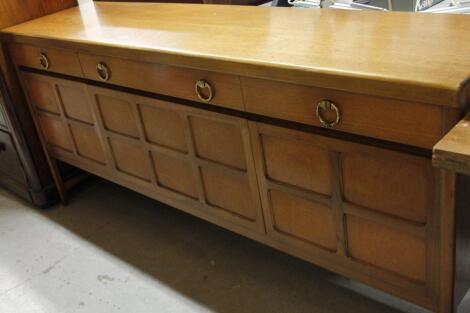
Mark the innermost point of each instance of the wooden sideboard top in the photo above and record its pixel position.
(419, 57)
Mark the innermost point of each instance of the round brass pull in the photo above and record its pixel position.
(44, 61)
(200, 85)
(327, 105)
(103, 71)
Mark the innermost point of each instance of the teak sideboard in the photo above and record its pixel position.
(318, 144)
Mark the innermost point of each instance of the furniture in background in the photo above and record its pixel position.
(23, 166)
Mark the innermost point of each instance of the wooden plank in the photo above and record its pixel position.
(453, 151)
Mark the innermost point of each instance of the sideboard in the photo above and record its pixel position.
(318, 145)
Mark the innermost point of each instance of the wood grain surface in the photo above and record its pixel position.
(453, 151)
(419, 57)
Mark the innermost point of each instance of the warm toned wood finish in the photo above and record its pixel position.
(364, 115)
(453, 151)
(318, 197)
(394, 57)
(370, 207)
(198, 166)
(393, 185)
(385, 247)
(120, 137)
(60, 60)
(383, 118)
(167, 80)
(317, 201)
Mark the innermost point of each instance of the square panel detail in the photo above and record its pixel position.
(131, 159)
(229, 192)
(218, 141)
(303, 219)
(386, 248)
(42, 95)
(55, 132)
(399, 186)
(174, 174)
(299, 163)
(75, 103)
(87, 143)
(164, 127)
(117, 115)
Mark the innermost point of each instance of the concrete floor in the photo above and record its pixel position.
(113, 250)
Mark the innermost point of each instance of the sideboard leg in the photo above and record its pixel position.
(462, 241)
(59, 182)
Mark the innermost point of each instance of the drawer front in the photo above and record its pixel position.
(220, 89)
(398, 121)
(10, 164)
(355, 203)
(48, 59)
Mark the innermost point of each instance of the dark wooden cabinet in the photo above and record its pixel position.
(23, 166)
(12, 174)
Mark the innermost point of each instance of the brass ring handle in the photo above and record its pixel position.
(44, 61)
(328, 105)
(103, 71)
(202, 84)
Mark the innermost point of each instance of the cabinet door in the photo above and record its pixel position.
(64, 114)
(197, 157)
(368, 209)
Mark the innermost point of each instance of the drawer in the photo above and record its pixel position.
(213, 88)
(394, 120)
(48, 59)
(10, 164)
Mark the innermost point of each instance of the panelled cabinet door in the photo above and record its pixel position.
(198, 157)
(65, 117)
(364, 206)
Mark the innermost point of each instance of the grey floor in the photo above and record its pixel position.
(113, 250)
